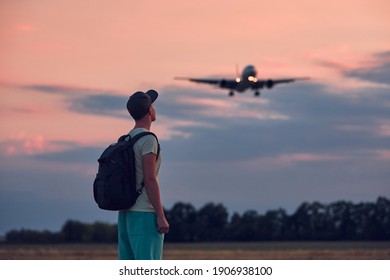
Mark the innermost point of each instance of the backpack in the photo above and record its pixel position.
(114, 187)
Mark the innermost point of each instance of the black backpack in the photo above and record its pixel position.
(114, 187)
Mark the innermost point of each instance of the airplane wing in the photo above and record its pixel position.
(205, 81)
(223, 83)
(290, 80)
(272, 82)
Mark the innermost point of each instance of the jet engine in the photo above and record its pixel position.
(227, 84)
(223, 83)
(269, 84)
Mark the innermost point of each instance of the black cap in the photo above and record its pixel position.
(139, 103)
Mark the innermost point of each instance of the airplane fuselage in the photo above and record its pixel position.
(247, 79)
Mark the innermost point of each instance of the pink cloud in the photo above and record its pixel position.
(384, 130)
(302, 157)
(379, 128)
(11, 150)
(35, 144)
(284, 160)
(383, 154)
(23, 143)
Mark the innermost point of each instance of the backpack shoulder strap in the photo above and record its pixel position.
(158, 143)
(135, 138)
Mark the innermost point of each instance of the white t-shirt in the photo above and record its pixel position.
(145, 145)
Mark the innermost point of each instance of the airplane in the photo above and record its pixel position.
(247, 80)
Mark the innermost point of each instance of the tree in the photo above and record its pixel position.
(75, 231)
(344, 227)
(382, 219)
(273, 225)
(103, 233)
(182, 220)
(311, 221)
(211, 223)
(245, 227)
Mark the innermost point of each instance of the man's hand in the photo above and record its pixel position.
(162, 225)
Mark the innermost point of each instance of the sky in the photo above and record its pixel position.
(68, 67)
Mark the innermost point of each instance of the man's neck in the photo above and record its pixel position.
(143, 124)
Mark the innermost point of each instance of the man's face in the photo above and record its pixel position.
(152, 112)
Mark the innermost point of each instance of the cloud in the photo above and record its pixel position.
(75, 155)
(317, 124)
(298, 119)
(383, 154)
(378, 72)
(209, 106)
(376, 69)
(179, 107)
(102, 104)
(62, 90)
(24, 143)
(87, 100)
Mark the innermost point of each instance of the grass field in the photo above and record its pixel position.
(210, 251)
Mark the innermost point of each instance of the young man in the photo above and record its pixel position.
(141, 228)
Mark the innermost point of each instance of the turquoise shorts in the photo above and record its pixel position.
(138, 237)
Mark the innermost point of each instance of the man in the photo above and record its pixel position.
(141, 228)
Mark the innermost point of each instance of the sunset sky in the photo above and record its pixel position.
(68, 67)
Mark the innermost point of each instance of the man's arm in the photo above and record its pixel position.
(153, 190)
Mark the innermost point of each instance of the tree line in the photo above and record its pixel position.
(211, 223)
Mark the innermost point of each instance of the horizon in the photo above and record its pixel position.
(230, 213)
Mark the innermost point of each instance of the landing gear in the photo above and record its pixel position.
(231, 93)
(257, 93)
